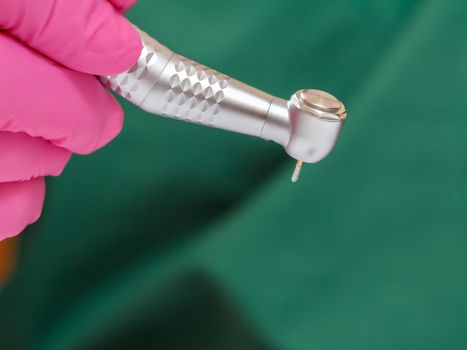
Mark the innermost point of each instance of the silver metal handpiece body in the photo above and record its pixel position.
(165, 83)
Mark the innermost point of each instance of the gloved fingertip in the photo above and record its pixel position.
(105, 115)
(123, 5)
(112, 127)
(20, 205)
(23, 157)
(91, 37)
(122, 50)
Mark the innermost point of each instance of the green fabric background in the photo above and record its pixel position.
(177, 236)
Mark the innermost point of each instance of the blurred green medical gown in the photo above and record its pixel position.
(177, 236)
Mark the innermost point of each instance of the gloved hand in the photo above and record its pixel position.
(51, 104)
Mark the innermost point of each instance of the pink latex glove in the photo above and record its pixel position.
(51, 104)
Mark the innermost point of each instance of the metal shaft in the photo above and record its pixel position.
(165, 83)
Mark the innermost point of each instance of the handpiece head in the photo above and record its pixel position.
(316, 119)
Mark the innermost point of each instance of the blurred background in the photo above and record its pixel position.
(177, 236)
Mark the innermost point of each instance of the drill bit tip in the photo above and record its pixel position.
(296, 172)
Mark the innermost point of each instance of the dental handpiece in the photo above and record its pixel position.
(167, 84)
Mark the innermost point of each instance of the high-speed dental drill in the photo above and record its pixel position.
(165, 83)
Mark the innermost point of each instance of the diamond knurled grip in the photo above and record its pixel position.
(195, 93)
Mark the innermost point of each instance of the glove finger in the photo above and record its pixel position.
(123, 5)
(90, 36)
(23, 157)
(44, 99)
(20, 205)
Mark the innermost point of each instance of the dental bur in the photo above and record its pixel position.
(165, 83)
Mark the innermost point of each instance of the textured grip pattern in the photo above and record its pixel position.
(135, 83)
(195, 91)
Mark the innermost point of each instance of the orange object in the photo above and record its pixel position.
(7, 258)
